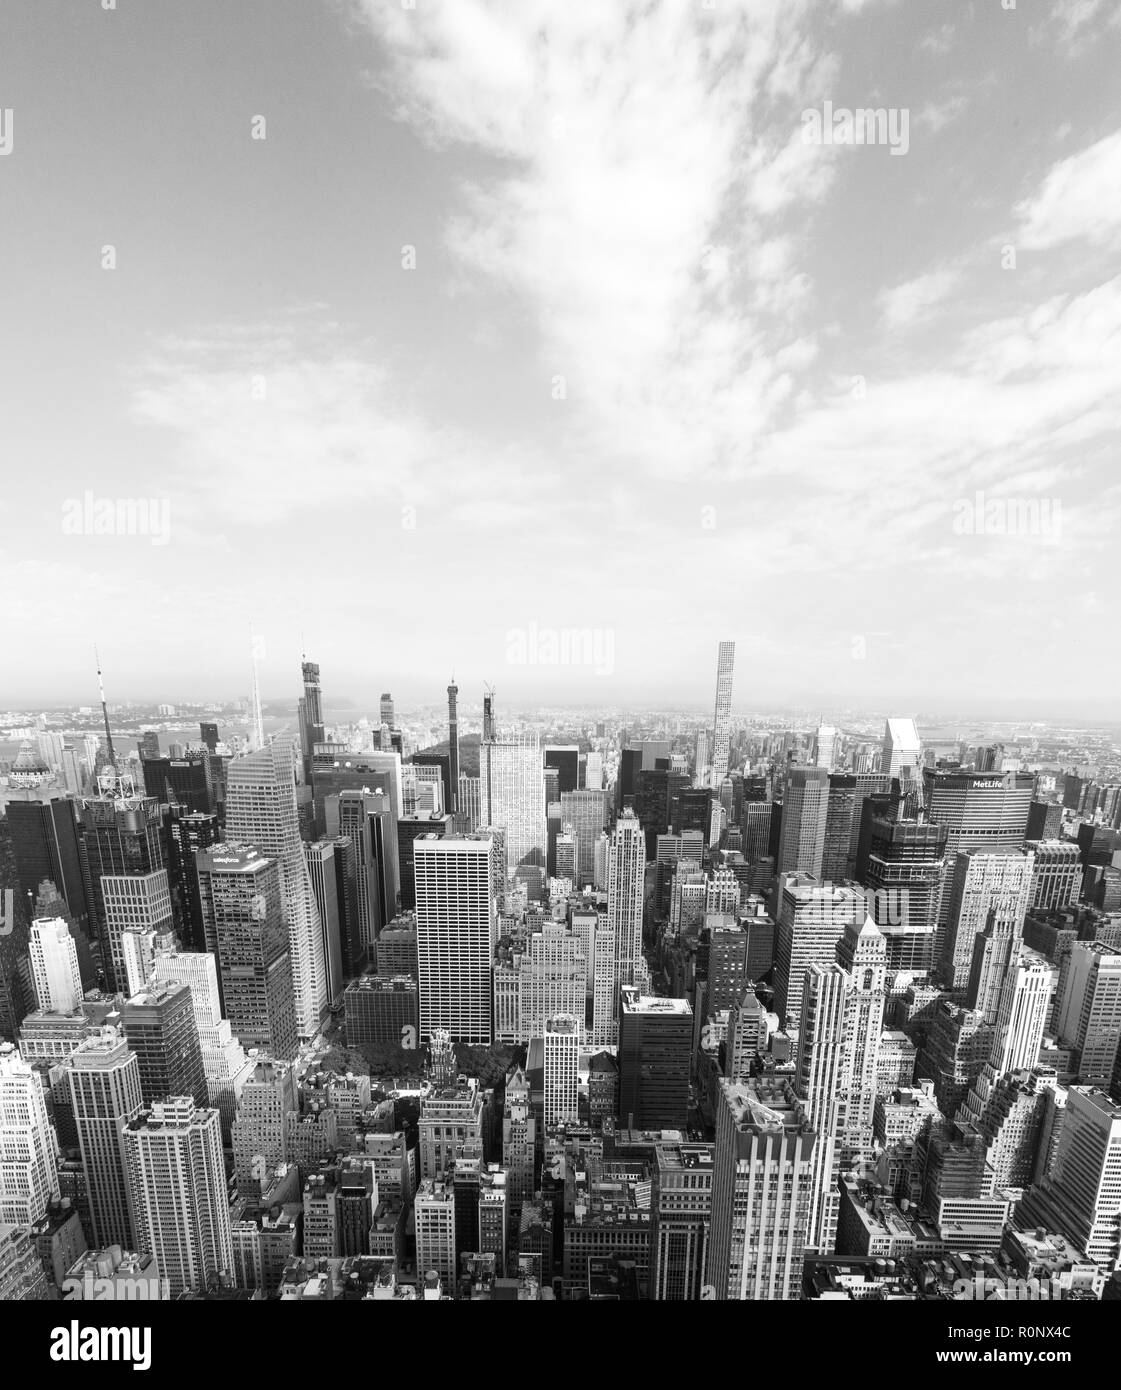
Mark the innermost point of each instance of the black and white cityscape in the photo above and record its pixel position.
(559, 726)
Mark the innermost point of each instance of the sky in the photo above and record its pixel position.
(551, 344)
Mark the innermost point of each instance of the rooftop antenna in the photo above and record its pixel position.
(105, 711)
(258, 722)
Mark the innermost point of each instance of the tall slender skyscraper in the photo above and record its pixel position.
(902, 748)
(105, 1095)
(453, 746)
(311, 716)
(261, 810)
(173, 1159)
(722, 719)
(626, 866)
(562, 1057)
(456, 934)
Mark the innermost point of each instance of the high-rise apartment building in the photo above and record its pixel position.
(626, 867)
(261, 810)
(173, 1163)
(722, 717)
(456, 934)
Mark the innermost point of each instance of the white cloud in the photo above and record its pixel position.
(1080, 200)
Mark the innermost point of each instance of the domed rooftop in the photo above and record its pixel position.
(29, 769)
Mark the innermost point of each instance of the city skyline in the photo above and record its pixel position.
(619, 283)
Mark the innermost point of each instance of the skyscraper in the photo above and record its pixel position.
(1088, 1012)
(453, 746)
(311, 715)
(135, 906)
(54, 966)
(244, 919)
(655, 1052)
(386, 712)
(987, 889)
(45, 846)
(161, 1030)
(512, 794)
(119, 835)
(826, 747)
(104, 1077)
(722, 718)
(261, 810)
(903, 867)
(325, 886)
(812, 920)
(805, 809)
(28, 1147)
(902, 748)
(456, 934)
(626, 868)
(173, 1161)
(761, 1189)
(563, 1033)
(980, 810)
(681, 1202)
(1057, 873)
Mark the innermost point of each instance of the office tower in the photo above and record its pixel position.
(311, 716)
(185, 782)
(132, 905)
(586, 812)
(353, 952)
(655, 1053)
(186, 833)
(385, 711)
(565, 759)
(324, 877)
(862, 953)
(1025, 1006)
(825, 747)
(605, 995)
(456, 935)
(727, 965)
(593, 772)
(1088, 1012)
(681, 1203)
(1045, 820)
(242, 910)
(986, 888)
(747, 1036)
(382, 1011)
(434, 1213)
(552, 979)
(54, 966)
(104, 1079)
(722, 718)
(626, 868)
(849, 793)
(761, 1187)
(161, 1030)
(562, 1033)
(119, 835)
(812, 920)
(519, 1142)
(260, 1132)
(208, 732)
(261, 811)
(903, 869)
(467, 814)
(363, 818)
(902, 748)
(566, 857)
(823, 1081)
(173, 1159)
(980, 810)
(44, 836)
(1057, 873)
(397, 950)
(28, 1147)
(512, 794)
(356, 1201)
(756, 829)
(1082, 1198)
(805, 809)
(409, 828)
